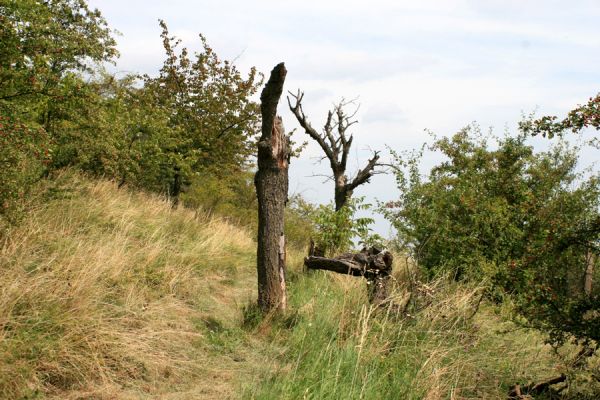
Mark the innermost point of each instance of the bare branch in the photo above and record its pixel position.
(327, 177)
(301, 117)
(345, 153)
(364, 174)
(389, 165)
(328, 129)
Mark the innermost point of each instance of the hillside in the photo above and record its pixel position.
(360, 216)
(111, 294)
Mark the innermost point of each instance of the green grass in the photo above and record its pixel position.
(340, 347)
(111, 294)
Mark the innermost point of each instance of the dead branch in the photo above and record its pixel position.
(373, 264)
(525, 392)
(336, 141)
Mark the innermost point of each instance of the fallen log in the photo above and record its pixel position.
(372, 264)
(533, 389)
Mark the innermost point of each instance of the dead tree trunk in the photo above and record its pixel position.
(271, 181)
(372, 264)
(589, 273)
(176, 187)
(336, 142)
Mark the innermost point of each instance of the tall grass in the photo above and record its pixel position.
(112, 294)
(340, 347)
(106, 293)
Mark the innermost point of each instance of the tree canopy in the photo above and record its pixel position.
(523, 220)
(195, 118)
(581, 117)
(44, 40)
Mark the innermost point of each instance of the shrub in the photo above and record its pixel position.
(335, 230)
(23, 157)
(526, 221)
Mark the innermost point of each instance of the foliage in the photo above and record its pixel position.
(233, 198)
(213, 119)
(195, 118)
(45, 44)
(156, 133)
(523, 220)
(41, 42)
(583, 116)
(299, 227)
(335, 230)
(24, 154)
(112, 128)
(88, 126)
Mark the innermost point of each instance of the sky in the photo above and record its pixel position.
(412, 66)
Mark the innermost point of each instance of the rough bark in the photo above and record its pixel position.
(335, 141)
(589, 273)
(271, 181)
(372, 264)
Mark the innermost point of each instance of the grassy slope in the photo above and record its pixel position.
(111, 294)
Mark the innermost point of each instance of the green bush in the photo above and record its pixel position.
(233, 197)
(23, 157)
(525, 221)
(336, 230)
(230, 196)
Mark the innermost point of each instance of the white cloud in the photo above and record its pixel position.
(413, 64)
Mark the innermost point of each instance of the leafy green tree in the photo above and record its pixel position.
(86, 124)
(579, 317)
(44, 44)
(211, 112)
(521, 219)
(41, 42)
(112, 127)
(464, 212)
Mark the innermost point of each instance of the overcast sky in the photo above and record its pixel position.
(413, 65)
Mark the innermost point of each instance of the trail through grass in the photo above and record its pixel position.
(112, 294)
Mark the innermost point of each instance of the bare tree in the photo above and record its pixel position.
(335, 141)
(271, 181)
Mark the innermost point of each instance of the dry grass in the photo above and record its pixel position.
(112, 294)
(106, 293)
